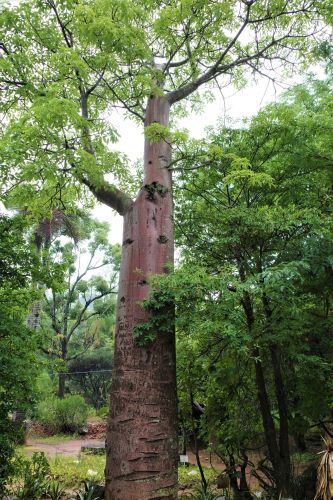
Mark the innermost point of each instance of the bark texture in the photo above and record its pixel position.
(142, 448)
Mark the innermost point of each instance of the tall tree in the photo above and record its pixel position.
(64, 66)
(260, 225)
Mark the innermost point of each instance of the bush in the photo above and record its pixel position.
(103, 412)
(63, 415)
(94, 381)
(31, 476)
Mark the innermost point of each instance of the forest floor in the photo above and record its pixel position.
(70, 447)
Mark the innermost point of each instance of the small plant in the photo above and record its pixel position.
(160, 305)
(32, 476)
(55, 491)
(204, 494)
(102, 412)
(91, 491)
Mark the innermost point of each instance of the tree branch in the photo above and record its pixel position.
(110, 195)
(219, 68)
(80, 318)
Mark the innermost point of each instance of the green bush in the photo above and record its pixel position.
(91, 376)
(63, 415)
(103, 412)
(31, 476)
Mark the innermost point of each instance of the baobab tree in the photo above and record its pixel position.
(65, 65)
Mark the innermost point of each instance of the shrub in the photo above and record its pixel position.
(31, 476)
(95, 378)
(91, 491)
(103, 412)
(63, 415)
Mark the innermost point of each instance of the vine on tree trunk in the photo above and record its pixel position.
(153, 188)
(160, 305)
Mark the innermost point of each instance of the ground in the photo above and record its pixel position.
(71, 466)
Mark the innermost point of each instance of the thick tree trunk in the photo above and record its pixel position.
(142, 447)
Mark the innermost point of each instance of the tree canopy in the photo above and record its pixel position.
(65, 66)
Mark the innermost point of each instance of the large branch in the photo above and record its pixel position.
(213, 71)
(104, 192)
(110, 195)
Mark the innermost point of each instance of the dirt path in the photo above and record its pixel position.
(69, 448)
(73, 447)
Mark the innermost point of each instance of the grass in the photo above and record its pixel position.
(188, 479)
(55, 439)
(71, 471)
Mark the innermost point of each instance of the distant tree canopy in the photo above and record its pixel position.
(72, 308)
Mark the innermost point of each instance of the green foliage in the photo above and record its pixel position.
(55, 491)
(256, 270)
(103, 412)
(157, 132)
(18, 346)
(93, 383)
(78, 312)
(73, 471)
(189, 477)
(153, 188)
(160, 306)
(58, 85)
(45, 387)
(31, 476)
(89, 492)
(203, 494)
(63, 415)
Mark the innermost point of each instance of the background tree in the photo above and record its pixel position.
(90, 375)
(18, 347)
(71, 307)
(255, 211)
(44, 231)
(64, 66)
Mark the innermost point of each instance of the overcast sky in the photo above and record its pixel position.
(234, 105)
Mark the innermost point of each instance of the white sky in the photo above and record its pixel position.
(235, 105)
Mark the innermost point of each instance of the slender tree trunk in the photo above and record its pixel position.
(265, 409)
(142, 446)
(62, 376)
(263, 398)
(196, 446)
(245, 493)
(285, 467)
(61, 385)
(284, 450)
